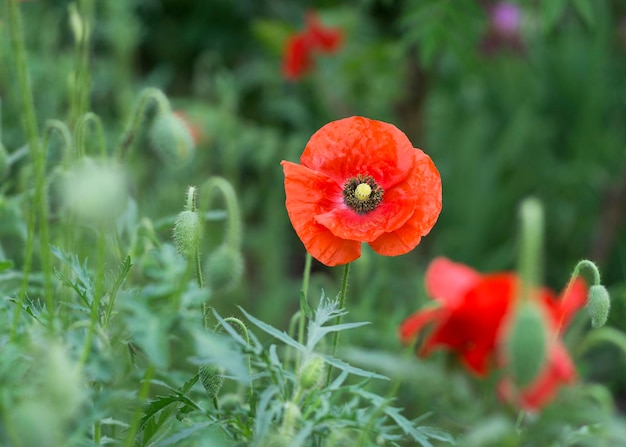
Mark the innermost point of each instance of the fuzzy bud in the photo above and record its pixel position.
(4, 162)
(187, 232)
(598, 305)
(95, 191)
(291, 416)
(312, 372)
(224, 268)
(212, 379)
(526, 343)
(171, 139)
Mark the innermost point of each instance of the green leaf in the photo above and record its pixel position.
(585, 11)
(280, 335)
(5, 264)
(551, 12)
(340, 364)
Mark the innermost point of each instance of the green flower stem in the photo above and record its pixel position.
(80, 134)
(590, 266)
(305, 292)
(233, 227)
(64, 132)
(244, 330)
(342, 301)
(190, 205)
(143, 394)
(531, 240)
(82, 20)
(38, 157)
(147, 95)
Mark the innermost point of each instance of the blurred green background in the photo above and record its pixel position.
(536, 110)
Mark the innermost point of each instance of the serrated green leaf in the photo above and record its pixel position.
(280, 335)
(317, 333)
(343, 366)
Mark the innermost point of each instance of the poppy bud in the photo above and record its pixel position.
(526, 344)
(95, 191)
(312, 372)
(212, 379)
(224, 268)
(171, 139)
(187, 232)
(598, 305)
(291, 416)
(4, 162)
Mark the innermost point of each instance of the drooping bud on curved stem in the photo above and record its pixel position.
(224, 267)
(598, 299)
(147, 95)
(233, 226)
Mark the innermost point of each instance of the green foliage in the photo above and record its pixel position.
(106, 327)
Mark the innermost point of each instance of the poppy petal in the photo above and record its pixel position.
(348, 147)
(426, 211)
(307, 194)
(449, 281)
(297, 59)
(416, 322)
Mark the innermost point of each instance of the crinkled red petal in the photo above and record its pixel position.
(412, 325)
(307, 194)
(424, 180)
(448, 281)
(472, 327)
(348, 147)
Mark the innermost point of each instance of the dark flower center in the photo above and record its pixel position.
(362, 193)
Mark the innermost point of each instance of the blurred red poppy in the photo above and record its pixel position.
(300, 47)
(361, 180)
(471, 317)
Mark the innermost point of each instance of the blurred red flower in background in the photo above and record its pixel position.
(361, 180)
(471, 319)
(300, 48)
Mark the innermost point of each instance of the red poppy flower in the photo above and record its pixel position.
(471, 316)
(297, 58)
(300, 48)
(361, 180)
(322, 38)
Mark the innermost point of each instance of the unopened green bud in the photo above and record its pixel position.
(4, 162)
(224, 268)
(312, 372)
(95, 191)
(291, 417)
(212, 379)
(187, 232)
(526, 343)
(598, 305)
(171, 139)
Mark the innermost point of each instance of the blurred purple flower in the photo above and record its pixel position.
(504, 30)
(505, 18)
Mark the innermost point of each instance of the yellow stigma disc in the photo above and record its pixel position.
(363, 191)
